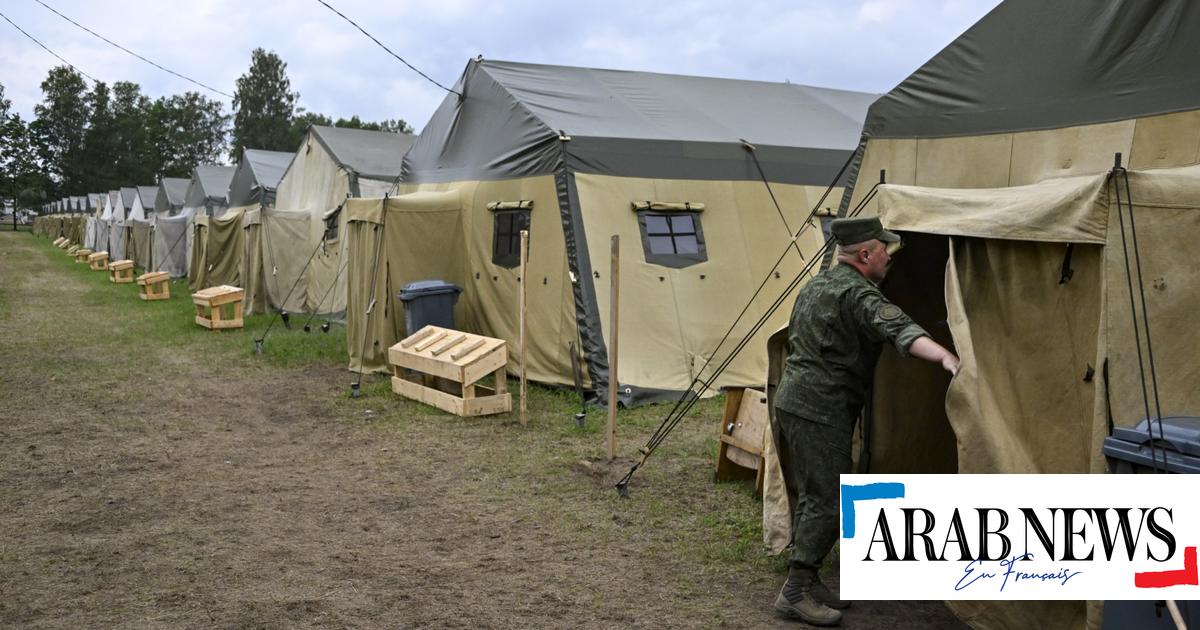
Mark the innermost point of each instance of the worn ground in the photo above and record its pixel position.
(156, 475)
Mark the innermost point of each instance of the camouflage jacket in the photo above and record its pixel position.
(836, 333)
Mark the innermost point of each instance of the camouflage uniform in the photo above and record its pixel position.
(836, 332)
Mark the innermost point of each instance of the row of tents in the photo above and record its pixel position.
(997, 157)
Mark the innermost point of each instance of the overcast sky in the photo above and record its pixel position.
(867, 45)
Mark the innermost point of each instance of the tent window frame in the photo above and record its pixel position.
(667, 238)
(506, 236)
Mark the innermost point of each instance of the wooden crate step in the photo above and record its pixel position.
(154, 285)
(211, 304)
(120, 271)
(458, 360)
(98, 261)
(81, 255)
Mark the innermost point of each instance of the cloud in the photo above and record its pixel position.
(867, 46)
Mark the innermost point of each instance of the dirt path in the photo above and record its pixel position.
(140, 486)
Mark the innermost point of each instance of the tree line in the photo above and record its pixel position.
(98, 138)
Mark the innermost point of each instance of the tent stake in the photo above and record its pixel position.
(524, 322)
(613, 313)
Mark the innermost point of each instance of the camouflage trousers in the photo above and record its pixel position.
(812, 456)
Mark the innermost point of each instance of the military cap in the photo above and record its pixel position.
(859, 230)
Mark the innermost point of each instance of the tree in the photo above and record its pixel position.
(21, 177)
(395, 126)
(263, 106)
(62, 120)
(130, 113)
(185, 131)
(100, 142)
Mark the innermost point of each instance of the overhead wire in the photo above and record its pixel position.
(47, 49)
(112, 43)
(389, 50)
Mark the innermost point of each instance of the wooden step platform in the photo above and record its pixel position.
(154, 285)
(98, 261)
(745, 423)
(120, 271)
(81, 255)
(215, 303)
(441, 367)
(61, 242)
(72, 249)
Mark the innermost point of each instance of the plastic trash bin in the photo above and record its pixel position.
(428, 302)
(1128, 448)
(1128, 451)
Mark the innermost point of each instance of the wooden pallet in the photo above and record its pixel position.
(81, 255)
(154, 285)
(211, 305)
(745, 423)
(98, 261)
(441, 367)
(120, 271)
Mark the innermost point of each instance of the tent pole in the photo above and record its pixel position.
(524, 323)
(613, 314)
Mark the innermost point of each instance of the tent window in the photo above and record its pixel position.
(506, 237)
(672, 239)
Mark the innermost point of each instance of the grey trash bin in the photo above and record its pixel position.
(1128, 451)
(428, 302)
(1128, 448)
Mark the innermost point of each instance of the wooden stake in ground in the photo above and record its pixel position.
(612, 346)
(523, 321)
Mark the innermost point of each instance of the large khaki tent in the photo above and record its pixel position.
(140, 224)
(331, 165)
(256, 177)
(998, 153)
(206, 196)
(579, 155)
(171, 194)
(208, 190)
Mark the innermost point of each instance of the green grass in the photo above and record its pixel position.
(676, 504)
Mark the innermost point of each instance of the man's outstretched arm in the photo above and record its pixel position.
(932, 351)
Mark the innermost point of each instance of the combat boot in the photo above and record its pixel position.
(797, 600)
(821, 593)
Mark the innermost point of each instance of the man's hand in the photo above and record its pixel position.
(932, 351)
(950, 364)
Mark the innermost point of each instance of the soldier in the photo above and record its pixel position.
(837, 330)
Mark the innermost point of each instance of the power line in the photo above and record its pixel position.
(389, 50)
(35, 40)
(109, 41)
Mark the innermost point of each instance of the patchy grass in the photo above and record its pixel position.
(155, 474)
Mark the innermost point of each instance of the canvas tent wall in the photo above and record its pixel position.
(171, 194)
(584, 154)
(257, 176)
(173, 236)
(1009, 120)
(140, 226)
(331, 165)
(218, 249)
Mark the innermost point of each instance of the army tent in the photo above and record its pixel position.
(218, 249)
(997, 153)
(331, 165)
(578, 155)
(170, 196)
(104, 227)
(208, 190)
(92, 228)
(140, 224)
(256, 177)
(172, 247)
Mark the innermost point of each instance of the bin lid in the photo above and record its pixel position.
(1179, 447)
(424, 288)
(1182, 433)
